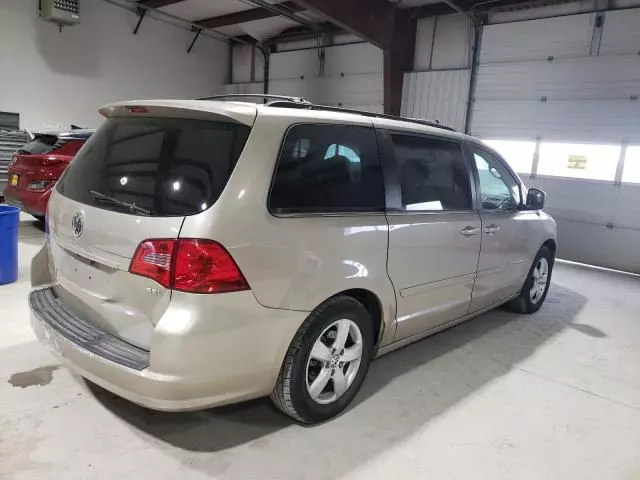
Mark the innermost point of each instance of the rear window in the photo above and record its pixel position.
(40, 145)
(328, 168)
(161, 166)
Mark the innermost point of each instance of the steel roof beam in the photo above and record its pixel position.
(246, 16)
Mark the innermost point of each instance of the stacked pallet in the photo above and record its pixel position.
(10, 141)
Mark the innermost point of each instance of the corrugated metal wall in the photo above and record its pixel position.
(439, 88)
(9, 121)
(439, 95)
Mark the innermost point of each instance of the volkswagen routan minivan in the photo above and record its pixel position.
(205, 252)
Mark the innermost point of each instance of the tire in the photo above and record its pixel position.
(527, 302)
(292, 393)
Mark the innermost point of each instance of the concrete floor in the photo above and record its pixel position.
(555, 395)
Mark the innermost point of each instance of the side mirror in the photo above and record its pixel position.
(535, 199)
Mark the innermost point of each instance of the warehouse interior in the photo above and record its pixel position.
(552, 85)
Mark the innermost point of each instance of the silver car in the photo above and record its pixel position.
(205, 252)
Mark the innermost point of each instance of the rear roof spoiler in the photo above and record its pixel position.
(193, 109)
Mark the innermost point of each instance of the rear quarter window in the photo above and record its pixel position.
(168, 167)
(328, 168)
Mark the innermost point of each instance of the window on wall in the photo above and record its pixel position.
(631, 173)
(328, 168)
(433, 174)
(574, 160)
(517, 153)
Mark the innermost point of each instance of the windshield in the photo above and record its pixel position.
(164, 166)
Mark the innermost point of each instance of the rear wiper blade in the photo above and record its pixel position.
(131, 206)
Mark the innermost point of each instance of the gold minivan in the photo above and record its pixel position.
(205, 252)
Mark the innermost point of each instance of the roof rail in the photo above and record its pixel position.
(285, 101)
(310, 106)
(279, 98)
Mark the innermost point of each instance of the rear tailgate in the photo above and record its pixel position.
(137, 178)
(92, 268)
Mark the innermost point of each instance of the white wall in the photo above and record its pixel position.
(53, 79)
(443, 43)
(350, 76)
(242, 65)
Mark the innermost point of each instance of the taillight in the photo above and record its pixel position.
(188, 265)
(153, 259)
(39, 185)
(137, 109)
(204, 266)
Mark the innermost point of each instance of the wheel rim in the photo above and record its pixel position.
(540, 278)
(334, 361)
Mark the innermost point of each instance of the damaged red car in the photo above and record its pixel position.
(37, 166)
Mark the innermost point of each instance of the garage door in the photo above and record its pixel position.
(559, 98)
(349, 76)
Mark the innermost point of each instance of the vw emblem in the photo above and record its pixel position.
(77, 224)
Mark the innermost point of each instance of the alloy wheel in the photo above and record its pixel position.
(540, 277)
(334, 361)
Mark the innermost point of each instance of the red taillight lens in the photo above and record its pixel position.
(204, 266)
(153, 259)
(188, 265)
(137, 109)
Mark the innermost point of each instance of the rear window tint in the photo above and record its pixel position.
(328, 168)
(39, 146)
(168, 167)
(433, 173)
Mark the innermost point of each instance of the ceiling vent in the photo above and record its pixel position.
(60, 12)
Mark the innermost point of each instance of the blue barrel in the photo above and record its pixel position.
(9, 219)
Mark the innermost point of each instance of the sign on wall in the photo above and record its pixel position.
(577, 162)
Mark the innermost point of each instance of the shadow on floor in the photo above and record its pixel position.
(404, 390)
(36, 240)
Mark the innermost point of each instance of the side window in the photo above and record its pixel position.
(498, 189)
(328, 168)
(433, 173)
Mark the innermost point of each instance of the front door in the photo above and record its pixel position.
(504, 254)
(434, 233)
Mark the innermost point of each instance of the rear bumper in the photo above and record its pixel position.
(33, 203)
(234, 355)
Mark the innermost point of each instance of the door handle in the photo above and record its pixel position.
(470, 231)
(491, 229)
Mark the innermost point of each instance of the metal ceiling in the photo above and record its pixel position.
(263, 20)
(390, 25)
